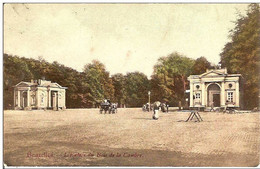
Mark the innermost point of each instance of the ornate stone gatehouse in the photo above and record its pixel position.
(215, 88)
(39, 94)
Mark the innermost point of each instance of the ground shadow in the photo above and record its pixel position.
(143, 118)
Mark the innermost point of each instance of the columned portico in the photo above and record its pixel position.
(214, 88)
(38, 95)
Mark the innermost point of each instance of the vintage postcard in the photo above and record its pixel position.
(130, 85)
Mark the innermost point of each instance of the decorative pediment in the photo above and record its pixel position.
(23, 84)
(41, 83)
(57, 85)
(212, 73)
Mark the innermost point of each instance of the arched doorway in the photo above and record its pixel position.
(213, 95)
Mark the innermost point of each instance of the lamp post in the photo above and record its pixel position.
(149, 93)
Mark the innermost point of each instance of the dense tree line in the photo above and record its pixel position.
(89, 87)
(242, 54)
(168, 81)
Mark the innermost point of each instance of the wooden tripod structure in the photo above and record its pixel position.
(196, 114)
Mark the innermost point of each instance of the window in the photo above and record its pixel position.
(197, 96)
(230, 96)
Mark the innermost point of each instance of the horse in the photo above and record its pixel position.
(113, 108)
(105, 106)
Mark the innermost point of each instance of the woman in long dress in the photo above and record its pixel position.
(156, 107)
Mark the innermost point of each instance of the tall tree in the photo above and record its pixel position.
(136, 87)
(200, 66)
(169, 80)
(119, 85)
(242, 53)
(98, 84)
(15, 70)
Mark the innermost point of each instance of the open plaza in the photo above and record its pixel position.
(130, 137)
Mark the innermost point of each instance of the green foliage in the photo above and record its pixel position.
(14, 71)
(97, 82)
(136, 89)
(242, 54)
(118, 81)
(200, 66)
(169, 80)
(23, 69)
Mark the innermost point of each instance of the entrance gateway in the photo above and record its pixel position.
(213, 95)
(214, 88)
(39, 94)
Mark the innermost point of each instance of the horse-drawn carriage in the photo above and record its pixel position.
(146, 107)
(107, 106)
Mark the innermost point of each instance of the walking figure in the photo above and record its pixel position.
(156, 107)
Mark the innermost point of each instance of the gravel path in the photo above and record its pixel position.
(83, 137)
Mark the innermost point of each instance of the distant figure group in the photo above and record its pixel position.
(107, 106)
(157, 106)
(147, 107)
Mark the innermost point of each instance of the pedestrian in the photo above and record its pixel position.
(156, 107)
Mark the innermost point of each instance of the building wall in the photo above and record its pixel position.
(38, 97)
(226, 85)
(42, 98)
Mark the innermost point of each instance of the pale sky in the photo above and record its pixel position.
(125, 37)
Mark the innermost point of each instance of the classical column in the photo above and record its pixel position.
(54, 101)
(64, 99)
(206, 96)
(14, 99)
(49, 98)
(58, 99)
(237, 94)
(191, 94)
(222, 94)
(28, 98)
(37, 98)
(18, 98)
(203, 94)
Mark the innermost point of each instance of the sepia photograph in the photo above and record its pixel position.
(131, 84)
